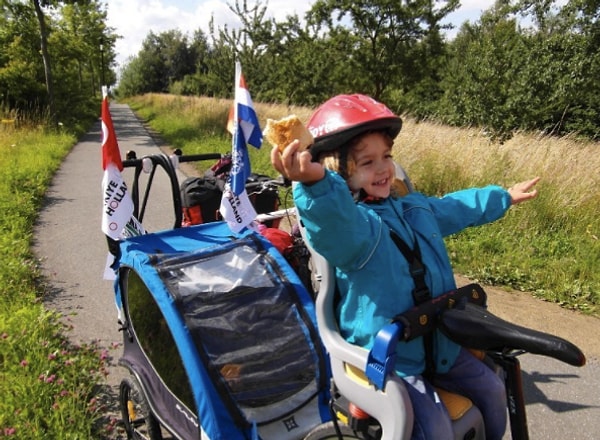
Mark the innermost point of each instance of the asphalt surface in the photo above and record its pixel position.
(72, 249)
(563, 402)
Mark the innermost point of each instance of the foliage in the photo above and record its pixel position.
(366, 46)
(496, 74)
(166, 58)
(47, 384)
(507, 78)
(384, 36)
(492, 57)
(63, 85)
(524, 65)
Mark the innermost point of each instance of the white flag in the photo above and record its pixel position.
(117, 206)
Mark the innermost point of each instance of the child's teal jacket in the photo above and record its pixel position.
(372, 274)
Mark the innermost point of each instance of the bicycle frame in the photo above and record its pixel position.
(515, 398)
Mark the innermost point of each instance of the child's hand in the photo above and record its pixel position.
(520, 192)
(297, 165)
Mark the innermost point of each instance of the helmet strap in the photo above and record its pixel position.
(343, 162)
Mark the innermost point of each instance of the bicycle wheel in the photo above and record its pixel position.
(140, 423)
(327, 431)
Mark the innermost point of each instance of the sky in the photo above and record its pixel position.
(134, 19)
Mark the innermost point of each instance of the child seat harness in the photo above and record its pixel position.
(420, 293)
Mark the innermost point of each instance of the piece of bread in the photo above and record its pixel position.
(282, 132)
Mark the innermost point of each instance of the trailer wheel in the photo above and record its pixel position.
(327, 431)
(140, 423)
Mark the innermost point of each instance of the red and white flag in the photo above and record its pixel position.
(117, 208)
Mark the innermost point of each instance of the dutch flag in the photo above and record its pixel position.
(236, 208)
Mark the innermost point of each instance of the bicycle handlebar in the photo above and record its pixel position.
(150, 163)
(260, 186)
(135, 162)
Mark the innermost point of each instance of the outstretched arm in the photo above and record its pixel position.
(522, 191)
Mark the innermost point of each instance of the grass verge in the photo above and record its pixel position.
(47, 383)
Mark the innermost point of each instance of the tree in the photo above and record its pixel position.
(495, 74)
(46, 57)
(385, 34)
(486, 62)
(60, 84)
(220, 64)
(90, 44)
(164, 59)
(583, 17)
(20, 72)
(506, 78)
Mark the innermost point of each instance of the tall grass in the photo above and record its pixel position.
(46, 383)
(549, 246)
(198, 124)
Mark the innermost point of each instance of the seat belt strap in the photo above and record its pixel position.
(420, 293)
(416, 268)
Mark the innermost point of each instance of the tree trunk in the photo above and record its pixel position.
(46, 58)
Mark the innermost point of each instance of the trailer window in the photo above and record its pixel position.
(156, 340)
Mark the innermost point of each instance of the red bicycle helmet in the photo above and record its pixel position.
(343, 117)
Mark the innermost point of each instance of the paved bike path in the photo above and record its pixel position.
(71, 247)
(563, 402)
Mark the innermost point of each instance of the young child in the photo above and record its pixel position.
(348, 207)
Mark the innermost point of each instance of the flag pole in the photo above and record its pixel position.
(238, 74)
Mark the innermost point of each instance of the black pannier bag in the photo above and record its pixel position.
(201, 198)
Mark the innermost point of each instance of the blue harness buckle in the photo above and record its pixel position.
(382, 356)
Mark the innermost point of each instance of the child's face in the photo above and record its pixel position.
(375, 170)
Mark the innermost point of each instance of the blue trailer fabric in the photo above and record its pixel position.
(244, 326)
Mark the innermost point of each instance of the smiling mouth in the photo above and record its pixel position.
(381, 182)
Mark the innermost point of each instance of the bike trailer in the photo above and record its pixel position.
(221, 335)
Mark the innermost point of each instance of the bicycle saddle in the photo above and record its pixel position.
(475, 327)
